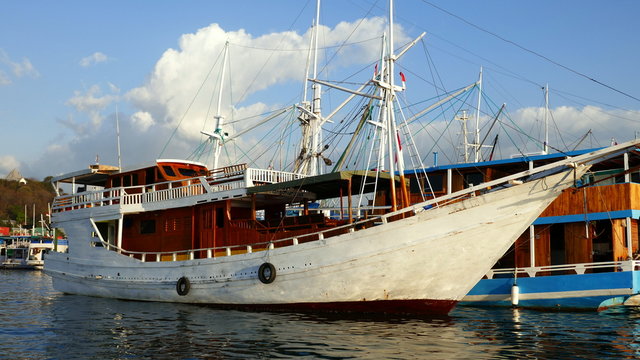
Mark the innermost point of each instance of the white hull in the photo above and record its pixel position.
(428, 261)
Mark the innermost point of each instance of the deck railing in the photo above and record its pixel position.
(266, 176)
(191, 254)
(565, 269)
(217, 181)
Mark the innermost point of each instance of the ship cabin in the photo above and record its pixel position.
(588, 228)
(177, 210)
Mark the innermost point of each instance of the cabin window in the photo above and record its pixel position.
(148, 226)
(150, 176)
(168, 170)
(219, 218)
(126, 180)
(474, 178)
(435, 180)
(103, 228)
(134, 179)
(115, 182)
(414, 185)
(187, 172)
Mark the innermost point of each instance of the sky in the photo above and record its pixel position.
(69, 69)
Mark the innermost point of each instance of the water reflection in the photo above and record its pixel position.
(41, 323)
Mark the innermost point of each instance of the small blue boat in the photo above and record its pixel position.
(616, 284)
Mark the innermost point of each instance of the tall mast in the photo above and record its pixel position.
(392, 131)
(317, 89)
(465, 134)
(477, 136)
(310, 114)
(217, 138)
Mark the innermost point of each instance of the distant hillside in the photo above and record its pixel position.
(14, 196)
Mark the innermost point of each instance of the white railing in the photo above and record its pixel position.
(172, 190)
(213, 252)
(265, 176)
(578, 269)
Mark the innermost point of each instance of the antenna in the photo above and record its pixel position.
(546, 120)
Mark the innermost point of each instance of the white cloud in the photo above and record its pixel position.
(142, 120)
(170, 93)
(25, 68)
(8, 163)
(93, 59)
(19, 69)
(4, 79)
(92, 102)
(522, 132)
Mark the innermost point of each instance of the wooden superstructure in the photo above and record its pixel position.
(226, 225)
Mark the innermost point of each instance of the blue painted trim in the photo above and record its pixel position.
(523, 159)
(558, 284)
(592, 303)
(620, 214)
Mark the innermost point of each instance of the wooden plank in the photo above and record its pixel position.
(595, 199)
(523, 251)
(619, 244)
(578, 244)
(542, 245)
(634, 236)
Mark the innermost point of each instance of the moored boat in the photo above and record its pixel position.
(199, 240)
(28, 252)
(580, 254)
(244, 237)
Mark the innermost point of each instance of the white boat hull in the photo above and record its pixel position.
(422, 264)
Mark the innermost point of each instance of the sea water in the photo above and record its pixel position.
(37, 322)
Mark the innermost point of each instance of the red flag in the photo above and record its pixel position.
(402, 76)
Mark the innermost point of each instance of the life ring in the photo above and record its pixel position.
(267, 273)
(182, 286)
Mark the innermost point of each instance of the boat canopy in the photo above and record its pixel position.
(95, 175)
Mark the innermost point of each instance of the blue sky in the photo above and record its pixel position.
(65, 66)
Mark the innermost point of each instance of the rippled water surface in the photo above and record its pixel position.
(40, 323)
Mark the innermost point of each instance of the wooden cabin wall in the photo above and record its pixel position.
(523, 250)
(457, 182)
(542, 245)
(496, 173)
(217, 229)
(167, 230)
(634, 236)
(598, 199)
(380, 199)
(619, 244)
(206, 226)
(578, 244)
